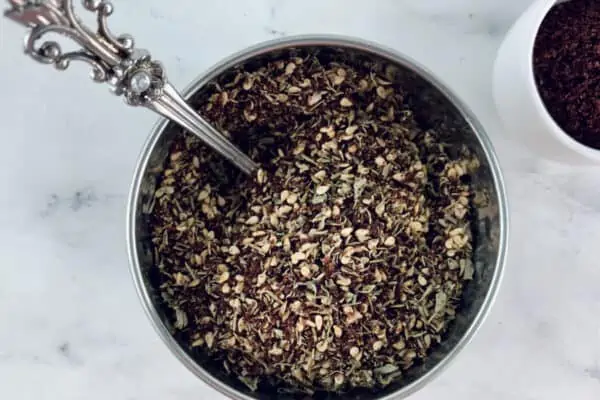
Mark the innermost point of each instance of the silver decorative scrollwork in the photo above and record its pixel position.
(131, 73)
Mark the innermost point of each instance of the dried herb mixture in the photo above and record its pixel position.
(341, 264)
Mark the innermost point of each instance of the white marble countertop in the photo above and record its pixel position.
(71, 326)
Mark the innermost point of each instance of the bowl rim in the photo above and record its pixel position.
(543, 8)
(305, 41)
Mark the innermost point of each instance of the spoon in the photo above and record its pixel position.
(130, 72)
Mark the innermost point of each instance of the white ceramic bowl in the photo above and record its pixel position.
(518, 101)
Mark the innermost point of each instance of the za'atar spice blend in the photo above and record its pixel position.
(567, 68)
(342, 262)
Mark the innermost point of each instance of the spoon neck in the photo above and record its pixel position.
(131, 72)
(174, 107)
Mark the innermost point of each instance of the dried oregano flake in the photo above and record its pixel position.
(342, 262)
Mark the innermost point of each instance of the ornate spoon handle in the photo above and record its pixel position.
(130, 72)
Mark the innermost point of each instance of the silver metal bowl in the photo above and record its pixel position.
(438, 106)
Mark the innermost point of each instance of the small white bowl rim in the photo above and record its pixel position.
(551, 124)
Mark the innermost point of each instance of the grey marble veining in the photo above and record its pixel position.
(71, 326)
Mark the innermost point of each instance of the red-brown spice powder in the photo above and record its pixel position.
(567, 68)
